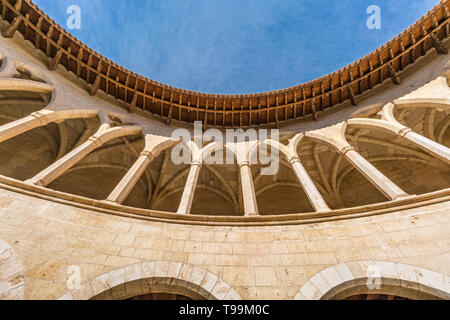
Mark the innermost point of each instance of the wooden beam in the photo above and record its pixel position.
(96, 84)
(18, 5)
(162, 101)
(4, 7)
(351, 94)
(38, 37)
(412, 52)
(57, 59)
(53, 65)
(258, 120)
(295, 104)
(313, 110)
(215, 113)
(205, 120)
(127, 81)
(277, 124)
(180, 102)
(303, 103)
(224, 112)
(169, 116)
(285, 109)
(116, 86)
(89, 64)
(422, 44)
(232, 114)
(10, 30)
(189, 110)
(132, 107)
(370, 74)
(381, 62)
(394, 76)
(438, 44)
(360, 76)
(240, 113)
(250, 113)
(108, 72)
(322, 90)
(391, 53)
(197, 108)
(402, 48)
(79, 58)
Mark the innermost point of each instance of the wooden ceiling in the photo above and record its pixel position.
(247, 110)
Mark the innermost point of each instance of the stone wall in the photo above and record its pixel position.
(257, 262)
(124, 251)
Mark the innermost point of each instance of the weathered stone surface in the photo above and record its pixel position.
(336, 210)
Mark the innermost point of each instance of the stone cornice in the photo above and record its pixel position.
(275, 220)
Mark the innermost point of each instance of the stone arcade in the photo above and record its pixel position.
(86, 179)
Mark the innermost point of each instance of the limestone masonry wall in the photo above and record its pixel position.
(86, 186)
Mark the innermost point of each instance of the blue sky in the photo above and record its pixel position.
(235, 46)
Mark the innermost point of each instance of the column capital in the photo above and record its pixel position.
(403, 132)
(293, 160)
(244, 164)
(43, 119)
(146, 153)
(196, 163)
(346, 149)
(96, 140)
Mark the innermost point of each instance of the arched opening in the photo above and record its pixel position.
(370, 280)
(97, 174)
(432, 123)
(168, 182)
(280, 192)
(155, 289)
(160, 296)
(218, 190)
(401, 161)
(158, 278)
(375, 297)
(27, 154)
(329, 170)
(385, 291)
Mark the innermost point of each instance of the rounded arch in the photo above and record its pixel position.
(350, 278)
(276, 145)
(139, 278)
(410, 166)
(213, 147)
(12, 274)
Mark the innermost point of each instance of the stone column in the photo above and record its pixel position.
(15, 128)
(103, 135)
(248, 190)
(308, 185)
(123, 189)
(389, 123)
(437, 149)
(335, 137)
(379, 180)
(40, 119)
(25, 85)
(154, 145)
(189, 189)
